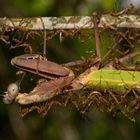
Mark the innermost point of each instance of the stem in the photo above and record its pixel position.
(45, 36)
(129, 56)
(97, 40)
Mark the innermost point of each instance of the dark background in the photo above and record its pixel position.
(60, 123)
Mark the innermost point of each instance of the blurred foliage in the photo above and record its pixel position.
(61, 7)
(33, 7)
(60, 123)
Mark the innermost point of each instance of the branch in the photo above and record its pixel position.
(72, 22)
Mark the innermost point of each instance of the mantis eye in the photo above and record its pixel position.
(13, 89)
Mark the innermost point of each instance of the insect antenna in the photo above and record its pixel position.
(21, 79)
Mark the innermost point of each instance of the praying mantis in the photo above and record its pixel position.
(98, 78)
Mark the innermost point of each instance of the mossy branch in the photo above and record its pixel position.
(71, 22)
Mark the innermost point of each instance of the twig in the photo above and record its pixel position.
(98, 52)
(45, 36)
(129, 56)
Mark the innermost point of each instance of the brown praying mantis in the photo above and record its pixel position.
(64, 77)
(35, 63)
(98, 78)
